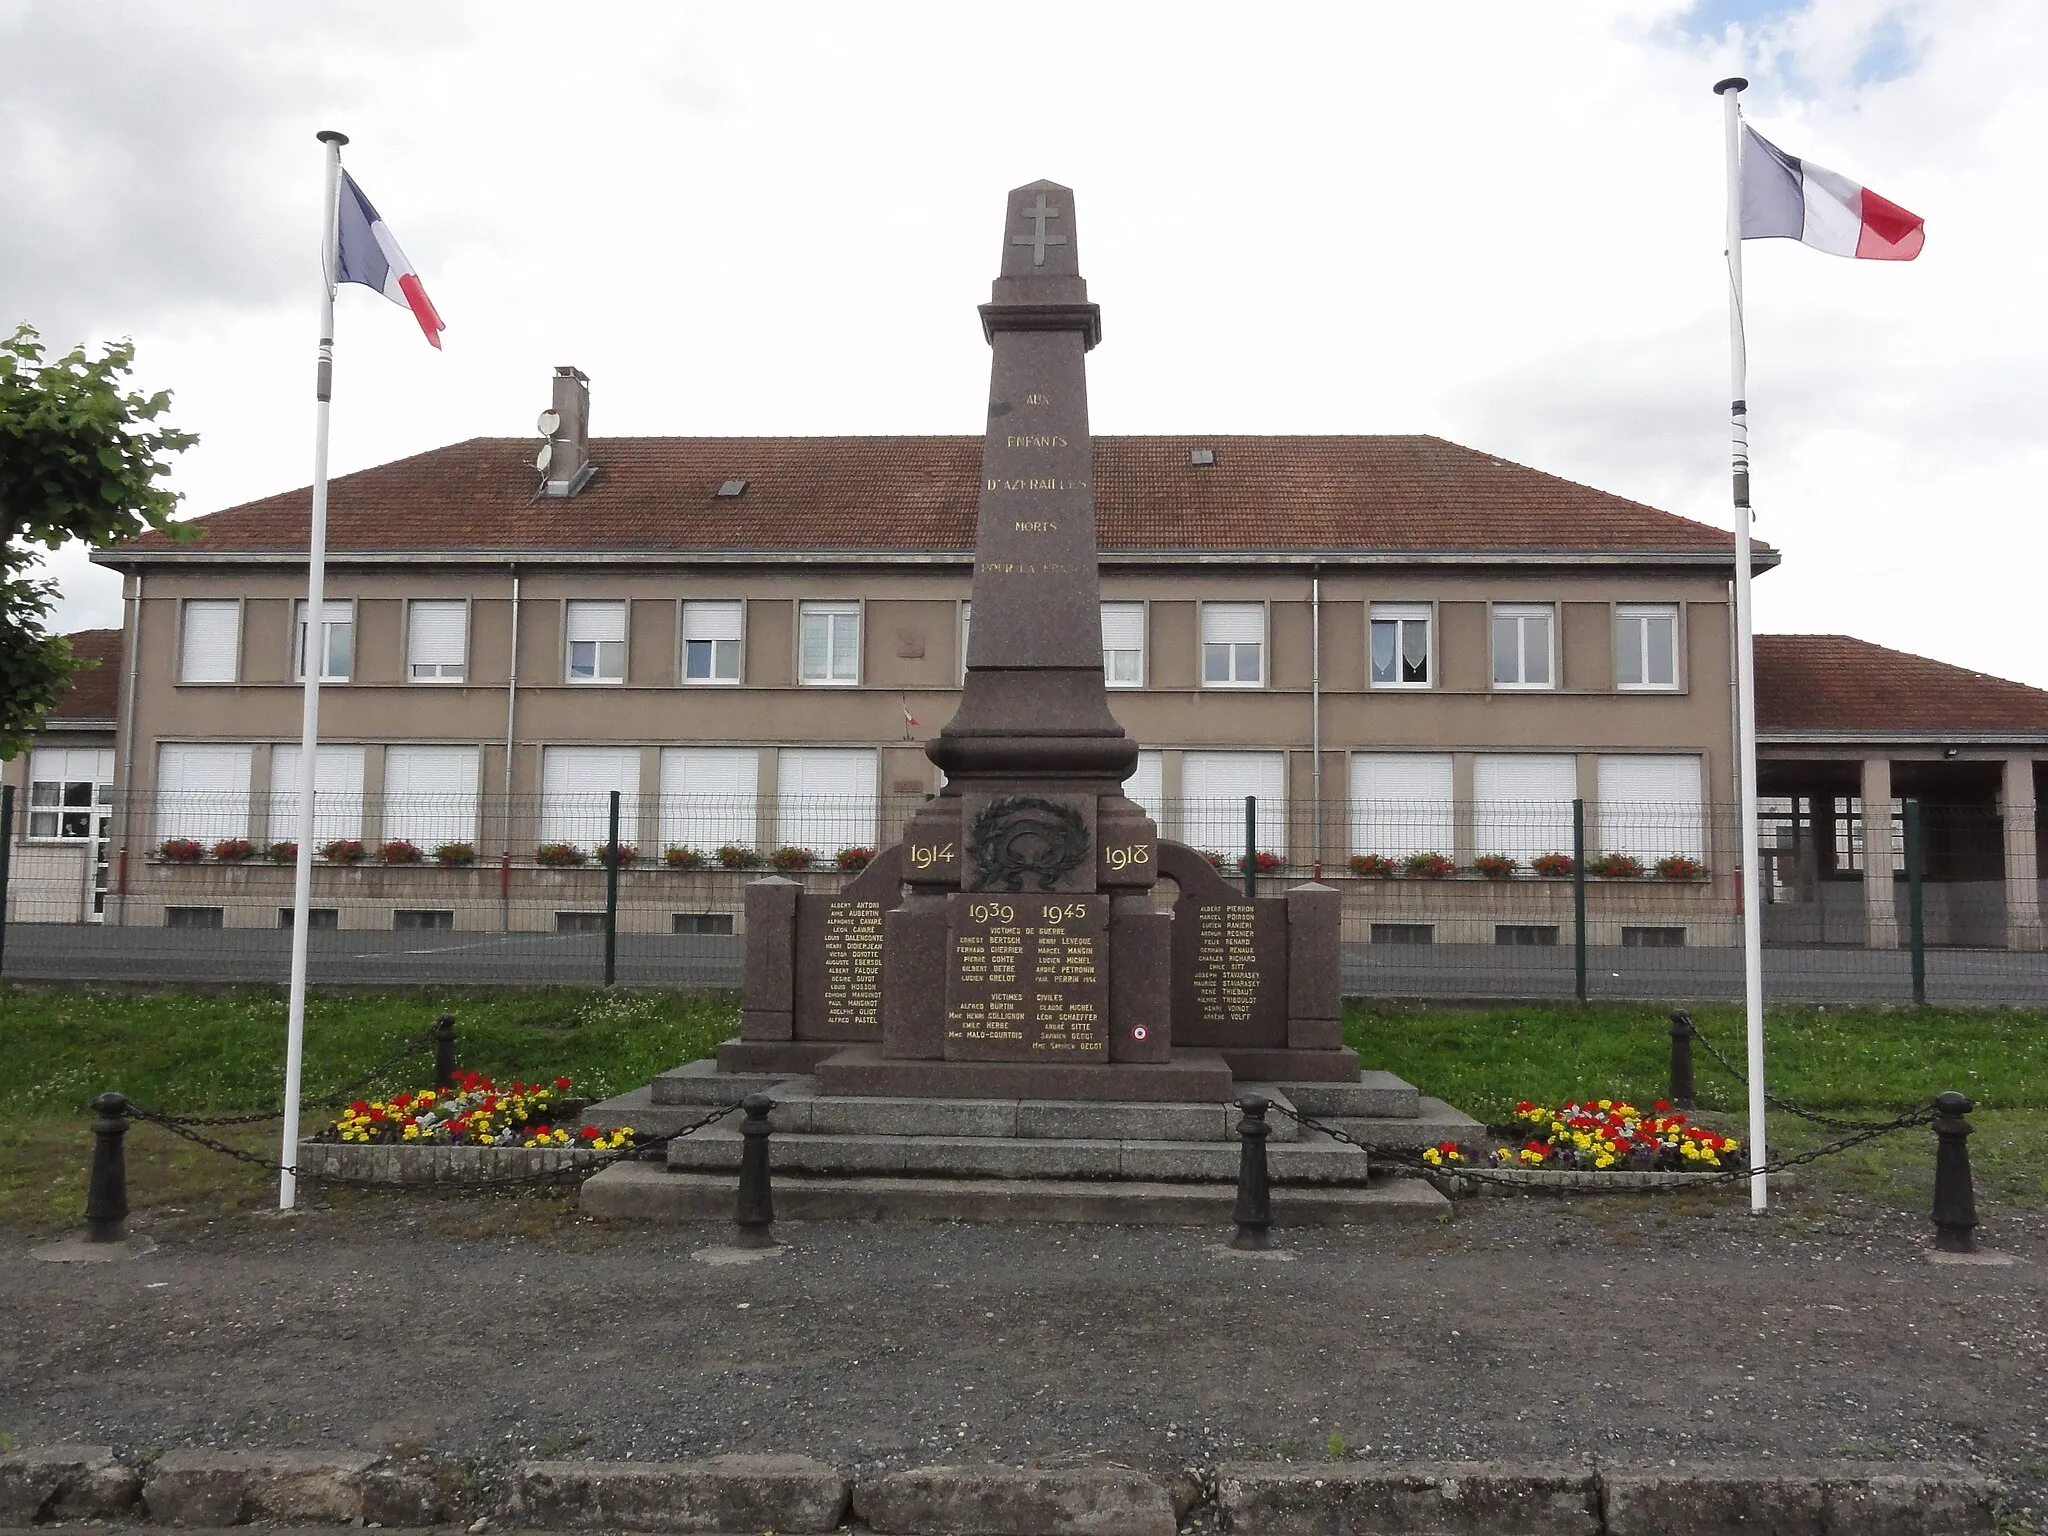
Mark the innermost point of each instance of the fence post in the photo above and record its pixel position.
(1955, 1201)
(1916, 911)
(1682, 1091)
(444, 1053)
(1579, 897)
(754, 1214)
(1254, 1212)
(611, 896)
(1251, 846)
(7, 861)
(106, 1196)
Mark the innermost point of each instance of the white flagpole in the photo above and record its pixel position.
(312, 660)
(1730, 92)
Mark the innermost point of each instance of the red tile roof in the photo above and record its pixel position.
(93, 692)
(919, 493)
(1842, 684)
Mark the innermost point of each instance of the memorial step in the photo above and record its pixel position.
(649, 1192)
(1315, 1159)
(862, 1071)
(1435, 1122)
(1378, 1094)
(702, 1082)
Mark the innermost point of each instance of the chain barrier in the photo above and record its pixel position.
(1388, 1159)
(1831, 1122)
(182, 1127)
(342, 1095)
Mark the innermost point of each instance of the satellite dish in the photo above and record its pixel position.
(549, 422)
(545, 457)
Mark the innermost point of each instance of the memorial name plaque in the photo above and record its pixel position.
(1230, 973)
(1028, 978)
(839, 969)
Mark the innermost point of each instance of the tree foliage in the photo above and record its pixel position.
(82, 456)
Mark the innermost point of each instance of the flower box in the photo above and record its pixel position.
(343, 850)
(680, 856)
(1676, 866)
(180, 850)
(1374, 866)
(282, 853)
(792, 858)
(559, 856)
(852, 860)
(1265, 861)
(1497, 866)
(234, 850)
(1430, 866)
(455, 855)
(733, 856)
(1616, 866)
(1552, 866)
(623, 855)
(399, 851)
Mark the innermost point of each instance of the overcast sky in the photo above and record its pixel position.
(1499, 222)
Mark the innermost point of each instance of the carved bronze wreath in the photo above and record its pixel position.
(1023, 835)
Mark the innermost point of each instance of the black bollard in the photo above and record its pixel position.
(754, 1215)
(1955, 1201)
(444, 1053)
(1682, 1092)
(1254, 1213)
(106, 1198)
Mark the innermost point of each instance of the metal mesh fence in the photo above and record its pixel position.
(1476, 898)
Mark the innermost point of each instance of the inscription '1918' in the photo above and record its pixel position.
(1124, 858)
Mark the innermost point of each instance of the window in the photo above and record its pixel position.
(1522, 804)
(966, 625)
(412, 918)
(709, 797)
(825, 798)
(700, 922)
(337, 793)
(1404, 933)
(1650, 806)
(828, 650)
(1146, 786)
(1522, 645)
(1401, 803)
(711, 642)
(430, 795)
(437, 642)
(1215, 784)
(194, 917)
(202, 791)
(1526, 935)
(1653, 938)
(1123, 645)
(1233, 645)
(337, 640)
(597, 642)
(1646, 646)
(211, 642)
(579, 922)
(1400, 645)
(66, 785)
(318, 919)
(576, 785)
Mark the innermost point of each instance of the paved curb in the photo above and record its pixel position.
(310, 1487)
(728, 1493)
(1009, 1501)
(397, 1163)
(65, 1482)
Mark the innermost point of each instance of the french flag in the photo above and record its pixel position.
(1793, 199)
(370, 256)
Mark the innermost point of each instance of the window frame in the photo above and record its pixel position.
(1641, 613)
(683, 643)
(1144, 625)
(299, 636)
(412, 605)
(97, 805)
(184, 618)
(1522, 612)
(1263, 643)
(569, 643)
(1403, 613)
(966, 631)
(831, 608)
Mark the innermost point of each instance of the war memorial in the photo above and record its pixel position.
(1006, 993)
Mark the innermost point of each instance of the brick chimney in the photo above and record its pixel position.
(570, 469)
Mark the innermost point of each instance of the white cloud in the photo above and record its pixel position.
(1497, 222)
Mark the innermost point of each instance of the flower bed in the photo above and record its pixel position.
(1602, 1134)
(474, 1113)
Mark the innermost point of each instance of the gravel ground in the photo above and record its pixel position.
(1633, 1331)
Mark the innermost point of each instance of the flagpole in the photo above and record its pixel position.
(312, 662)
(1730, 92)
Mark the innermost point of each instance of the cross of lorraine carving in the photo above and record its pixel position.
(1038, 239)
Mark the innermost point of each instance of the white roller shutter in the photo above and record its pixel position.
(1233, 623)
(825, 798)
(202, 791)
(1213, 787)
(1522, 804)
(1650, 807)
(597, 622)
(210, 643)
(709, 796)
(430, 795)
(575, 794)
(1146, 786)
(337, 794)
(1401, 803)
(437, 641)
(711, 621)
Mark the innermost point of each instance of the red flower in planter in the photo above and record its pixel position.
(851, 859)
(1496, 866)
(399, 851)
(1552, 866)
(1375, 866)
(1430, 866)
(343, 850)
(1676, 866)
(233, 850)
(1617, 866)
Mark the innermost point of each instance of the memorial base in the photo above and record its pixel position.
(790, 1057)
(864, 1072)
(1252, 1065)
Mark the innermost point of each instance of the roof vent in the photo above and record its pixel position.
(1202, 457)
(732, 488)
